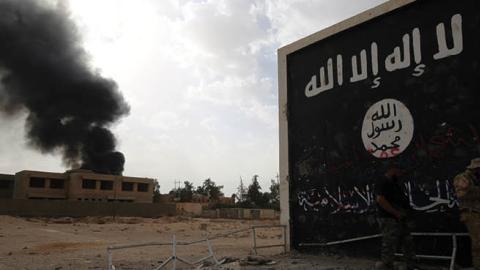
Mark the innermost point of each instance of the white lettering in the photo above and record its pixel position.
(443, 50)
(362, 75)
(394, 60)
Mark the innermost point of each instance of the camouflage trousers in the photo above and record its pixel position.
(472, 221)
(396, 234)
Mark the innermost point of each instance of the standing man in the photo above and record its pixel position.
(393, 213)
(467, 189)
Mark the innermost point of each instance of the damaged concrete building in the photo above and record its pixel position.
(81, 185)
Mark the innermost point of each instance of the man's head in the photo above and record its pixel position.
(475, 166)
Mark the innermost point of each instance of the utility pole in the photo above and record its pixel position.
(177, 183)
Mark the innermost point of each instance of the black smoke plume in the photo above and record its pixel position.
(44, 72)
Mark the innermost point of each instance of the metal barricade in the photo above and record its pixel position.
(174, 257)
(451, 258)
(284, 232)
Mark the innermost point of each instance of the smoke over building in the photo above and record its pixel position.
(44, 72)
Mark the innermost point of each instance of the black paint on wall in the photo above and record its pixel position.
(332, 175)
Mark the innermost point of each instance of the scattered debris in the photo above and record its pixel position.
(227, 260)
(63, 220)
(257, 260)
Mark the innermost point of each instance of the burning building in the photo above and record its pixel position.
(82, 185)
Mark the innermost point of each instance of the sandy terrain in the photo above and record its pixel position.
(65, 243)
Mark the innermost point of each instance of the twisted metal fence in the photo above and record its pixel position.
(174, 243)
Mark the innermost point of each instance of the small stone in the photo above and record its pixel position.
(101, 221)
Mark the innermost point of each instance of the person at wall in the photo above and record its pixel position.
(394, 217)
(467, 189)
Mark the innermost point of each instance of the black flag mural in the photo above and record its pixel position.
(44, 72)
(401, 88)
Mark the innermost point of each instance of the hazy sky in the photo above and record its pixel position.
(201, 79)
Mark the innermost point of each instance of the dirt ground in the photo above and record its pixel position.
(66, 243)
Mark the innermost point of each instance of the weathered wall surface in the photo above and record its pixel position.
(241, 213)
(194, 209)
(79, 209)
(403, 88)
(258, 214)
(229, 213)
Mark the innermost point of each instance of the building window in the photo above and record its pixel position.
(88, 184)
(127, 186)
(106, 185)
(142, 187)
(57, 183)
(37, 182)
(5, 184)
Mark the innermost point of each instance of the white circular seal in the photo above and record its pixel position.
(387, 128)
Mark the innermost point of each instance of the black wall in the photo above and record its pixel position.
(332, 174)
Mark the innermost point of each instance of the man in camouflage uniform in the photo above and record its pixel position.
(393, 209)
(467, 189)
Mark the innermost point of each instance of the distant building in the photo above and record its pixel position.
(199, 198)
(227, 200)
(82, 185)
